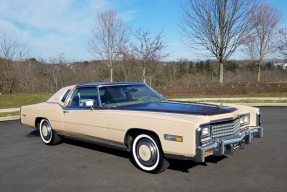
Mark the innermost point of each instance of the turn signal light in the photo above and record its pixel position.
(173, 137)
(179, 139)
(207, 152)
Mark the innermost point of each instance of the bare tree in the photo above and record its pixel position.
(282, 43)
(27, 78)
(219, 26)
(148, 50)
(127, 65)
(54, 73)
(109, 35)
(264, 20)
(12, 56)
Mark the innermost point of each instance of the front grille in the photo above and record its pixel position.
(225, 128)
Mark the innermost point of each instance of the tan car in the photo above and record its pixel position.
(133, 117)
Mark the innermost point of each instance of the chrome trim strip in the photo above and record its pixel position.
(119, 84)
(210, 146)
(180, 157)
(258, 119)
(107, 144)
(225, 119)
(85, 108)
(235, 140)
(99, 97)
(85, 125)
(220, 120)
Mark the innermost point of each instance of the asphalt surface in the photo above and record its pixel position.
(27, 164)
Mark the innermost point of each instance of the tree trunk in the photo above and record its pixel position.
(220, 72)
(111, 74)
(259, 71)
(144, 71)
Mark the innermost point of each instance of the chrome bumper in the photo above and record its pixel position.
(226, 145)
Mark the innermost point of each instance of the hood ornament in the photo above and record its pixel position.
(220, 106)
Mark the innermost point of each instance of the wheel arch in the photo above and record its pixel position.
(129, 136)
(38, 120)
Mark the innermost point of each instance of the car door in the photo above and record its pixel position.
(82, 121)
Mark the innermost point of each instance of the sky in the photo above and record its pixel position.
(52, 27)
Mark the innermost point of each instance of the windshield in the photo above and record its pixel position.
(128, 94)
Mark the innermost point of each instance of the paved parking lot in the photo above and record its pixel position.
(27, 164)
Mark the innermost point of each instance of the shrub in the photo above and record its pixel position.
(220, 85)
(207, 85)
(164, 88)
(278, 85)
(232, 86)
(198, 85)
(246, 85)
(187, 86)
(256, 85)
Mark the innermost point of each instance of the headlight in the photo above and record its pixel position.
(241, 120)
(245, 119)
(205, 131)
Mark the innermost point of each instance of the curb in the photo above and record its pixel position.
(262, 104)
(257, 104)
(9, 110)
(10, 118)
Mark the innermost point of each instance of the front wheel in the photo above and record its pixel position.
(48, 136)
(147, 153)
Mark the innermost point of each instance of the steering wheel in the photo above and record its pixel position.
(144, 97)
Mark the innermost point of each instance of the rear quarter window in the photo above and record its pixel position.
(65, 96)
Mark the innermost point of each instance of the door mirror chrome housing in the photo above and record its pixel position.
(90, 104)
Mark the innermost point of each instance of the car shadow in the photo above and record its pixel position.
(92, 146)
(35, 133)
(184, 166)
(177, 165)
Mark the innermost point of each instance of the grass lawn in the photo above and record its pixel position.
(18, 100)
(14, 113)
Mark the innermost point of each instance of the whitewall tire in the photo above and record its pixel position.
(48, 136)
(147, 153)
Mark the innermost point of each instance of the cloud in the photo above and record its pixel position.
(54, 26)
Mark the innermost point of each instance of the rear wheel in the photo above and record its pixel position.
(147, 153)
(48, 135)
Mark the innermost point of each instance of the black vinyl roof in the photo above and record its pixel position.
(96, 84)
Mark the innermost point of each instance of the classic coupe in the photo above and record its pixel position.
(135, 118)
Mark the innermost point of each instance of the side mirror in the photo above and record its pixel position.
(90, 104)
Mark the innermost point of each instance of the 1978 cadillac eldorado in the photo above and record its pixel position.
(135, 118)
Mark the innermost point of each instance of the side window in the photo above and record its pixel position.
(65, 96)
(111, 95)
(81, 95)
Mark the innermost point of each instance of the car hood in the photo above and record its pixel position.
(177, 107)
